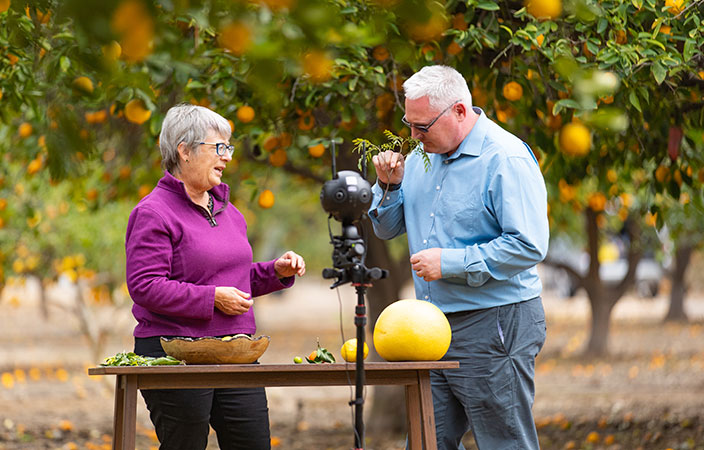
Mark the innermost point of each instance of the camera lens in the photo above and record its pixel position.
(340, 195)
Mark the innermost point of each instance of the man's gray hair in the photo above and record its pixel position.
(441, 84)
(189, 124)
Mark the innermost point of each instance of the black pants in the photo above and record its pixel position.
(182, 417)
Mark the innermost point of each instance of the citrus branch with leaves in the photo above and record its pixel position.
(403, 145)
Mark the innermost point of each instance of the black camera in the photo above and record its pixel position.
(346, 197)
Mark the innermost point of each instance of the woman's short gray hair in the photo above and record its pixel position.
(441, 84)
(189, 124)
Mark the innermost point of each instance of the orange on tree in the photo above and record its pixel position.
(317, 150)
(675, 6)
(266, 199)
(112, 51)
(318, 66)
(544, 9)
(83, 84)
(596, 201)
(278, 158)
(380, 53)
(454, 48)
(412, 330)
(271, 143)
(306, 121)
(662, 174)
(4, 5)
(136, 111)
(236, 38)
(349, 350)
(25, 130)
(245, 114)
(34, 165)
(512, 91)
(575, 139)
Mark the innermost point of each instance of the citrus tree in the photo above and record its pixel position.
(608, 95)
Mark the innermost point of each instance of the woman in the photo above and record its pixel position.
(190, 273)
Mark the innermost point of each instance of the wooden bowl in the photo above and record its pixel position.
(240, 349)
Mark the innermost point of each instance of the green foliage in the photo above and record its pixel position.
(403, 145)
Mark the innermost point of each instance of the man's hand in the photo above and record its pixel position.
(427, 264)
(389, 167)
(232, 301)
(290, 264)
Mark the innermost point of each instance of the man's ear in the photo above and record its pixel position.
(461, 110)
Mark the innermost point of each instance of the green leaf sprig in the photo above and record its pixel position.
(394, 143)
(132, 359)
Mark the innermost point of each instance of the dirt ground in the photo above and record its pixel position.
(648, 394)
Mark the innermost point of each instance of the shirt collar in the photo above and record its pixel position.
(221, 192)
(472, 143)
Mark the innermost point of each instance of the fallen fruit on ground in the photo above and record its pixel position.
(349, 350)
(412, 330)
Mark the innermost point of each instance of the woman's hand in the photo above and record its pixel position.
(290, 264)
(232, 301)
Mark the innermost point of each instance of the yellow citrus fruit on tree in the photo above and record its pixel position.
(136, 111)
(245, 114)
(575, 139)
(25, 130)
(112, 51)
(83, 84)
(675, 6)
(266, 199)
(412, 330)
(349, 350)
(317, 150)
(544, 9)
(512, 91)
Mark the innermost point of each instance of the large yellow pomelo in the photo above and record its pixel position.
(412, 330)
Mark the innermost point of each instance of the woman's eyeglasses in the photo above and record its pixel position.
(220, 147)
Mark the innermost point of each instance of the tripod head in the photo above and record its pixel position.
(347, 197)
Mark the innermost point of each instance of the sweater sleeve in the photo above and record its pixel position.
(263, 279)
(149, 257)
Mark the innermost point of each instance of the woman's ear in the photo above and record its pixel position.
(183, 151)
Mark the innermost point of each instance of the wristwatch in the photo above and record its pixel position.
(390, 187)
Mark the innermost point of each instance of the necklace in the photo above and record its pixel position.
(211, 204)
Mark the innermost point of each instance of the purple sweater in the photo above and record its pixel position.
(176, 258)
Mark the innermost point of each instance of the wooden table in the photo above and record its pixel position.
(415, 376)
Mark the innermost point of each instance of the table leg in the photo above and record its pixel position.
(129, 424)
(413, 417)
(427, 410)
(118, 419)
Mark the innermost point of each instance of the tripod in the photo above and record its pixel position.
(348, 261)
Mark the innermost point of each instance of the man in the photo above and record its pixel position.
(477, 225)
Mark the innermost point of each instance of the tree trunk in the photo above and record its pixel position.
(683, 256)
(43, 300)
(387, 411)
(602, 305)
(602, 298)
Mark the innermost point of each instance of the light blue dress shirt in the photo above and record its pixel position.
(485, 206)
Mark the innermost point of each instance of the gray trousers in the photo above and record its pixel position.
(493, 390)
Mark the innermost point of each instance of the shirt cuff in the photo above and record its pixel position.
(391, 196)
(452, 263)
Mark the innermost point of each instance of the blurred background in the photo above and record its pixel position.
(608, 94)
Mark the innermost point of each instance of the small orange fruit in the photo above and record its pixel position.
(25, 130)
(136, 111)
(317, 150)
(349, 350)
(278, 158)
(83, 84)
(266, 200)
(245, 114)
(544, 9)
(575, 139)
(513, 91)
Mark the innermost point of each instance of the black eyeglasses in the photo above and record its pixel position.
(426, 128)
(220, 147)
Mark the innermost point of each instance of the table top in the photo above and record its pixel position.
(272, 368)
